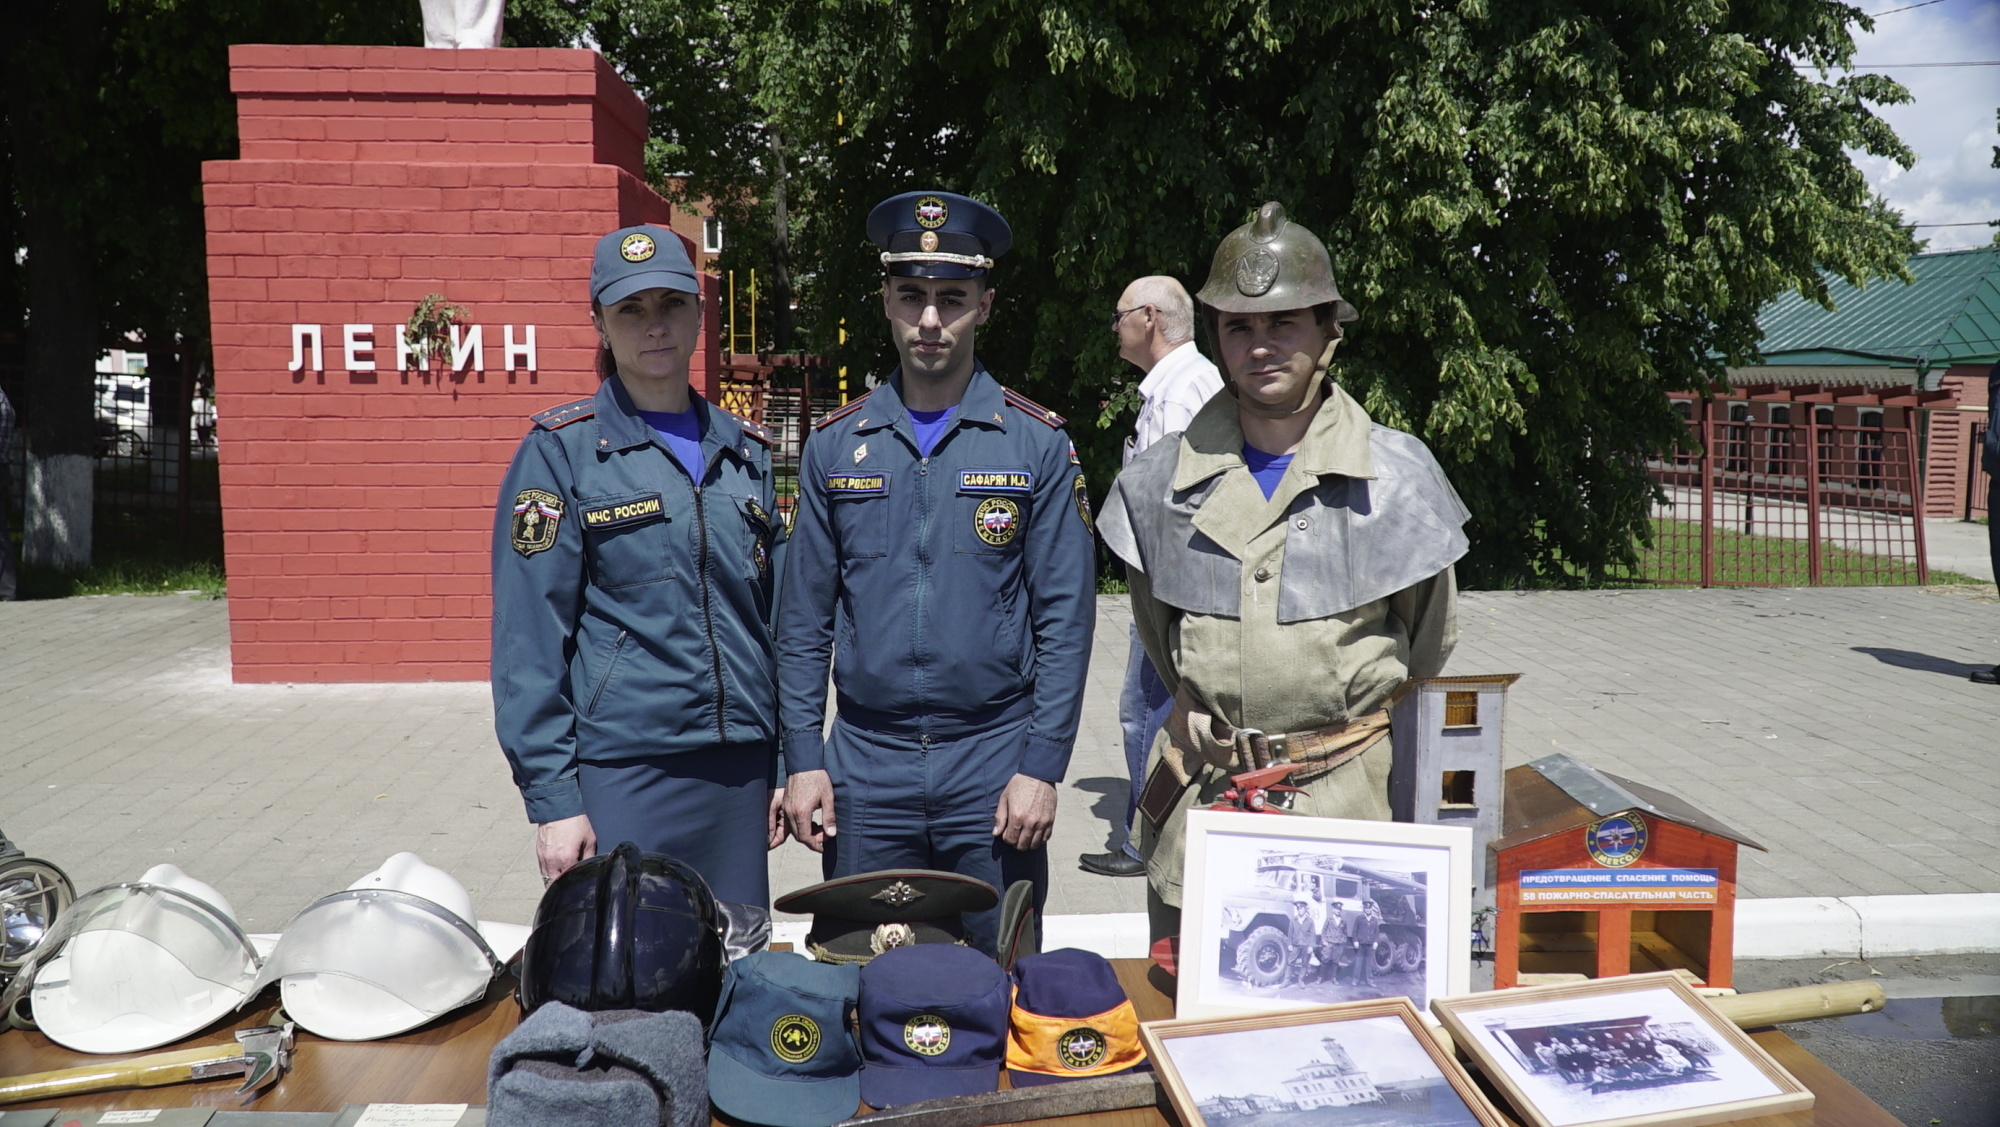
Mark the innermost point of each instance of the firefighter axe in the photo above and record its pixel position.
(260, 1056)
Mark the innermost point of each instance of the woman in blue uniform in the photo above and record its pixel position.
(633, 562)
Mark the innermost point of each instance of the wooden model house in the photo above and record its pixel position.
(1447, 767)
(1602, 876)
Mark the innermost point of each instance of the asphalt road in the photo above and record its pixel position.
(1932, 1057)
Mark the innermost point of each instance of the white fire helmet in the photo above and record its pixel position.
(135, 966)
(398, 948)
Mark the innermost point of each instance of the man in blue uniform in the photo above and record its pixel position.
(942, 562)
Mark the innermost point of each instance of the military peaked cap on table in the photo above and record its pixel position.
(938, 235)
(859, 917)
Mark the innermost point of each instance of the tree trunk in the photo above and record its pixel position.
(781, 251)
(53, 50)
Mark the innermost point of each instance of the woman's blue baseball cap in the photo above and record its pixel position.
(645, 257)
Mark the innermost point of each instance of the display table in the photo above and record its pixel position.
(446, 1063)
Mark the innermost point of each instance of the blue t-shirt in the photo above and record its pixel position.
(1266, 468)
(930, 426)
(681, 431)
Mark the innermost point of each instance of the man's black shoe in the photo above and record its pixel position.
(1116, 863)
(1987, 676)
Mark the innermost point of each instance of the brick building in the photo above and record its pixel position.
(1940, 333)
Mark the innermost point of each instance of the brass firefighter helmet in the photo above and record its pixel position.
(1272, 263)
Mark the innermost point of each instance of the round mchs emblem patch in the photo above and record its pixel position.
(1616, 841)
(795, 1038)
(636, 247)
(931, 212)
(927, 1035)
(997, 520)
(1255, 272)
(1081, 1048)
(927, 242)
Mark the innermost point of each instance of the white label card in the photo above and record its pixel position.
(411, 1115)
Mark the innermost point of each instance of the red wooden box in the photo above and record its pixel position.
(1602, 876)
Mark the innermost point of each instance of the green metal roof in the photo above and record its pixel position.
(1949, 315)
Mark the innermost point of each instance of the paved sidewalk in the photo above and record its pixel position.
(1960, 546)
(1834, 725)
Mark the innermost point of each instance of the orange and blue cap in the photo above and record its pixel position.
(1071, 1020)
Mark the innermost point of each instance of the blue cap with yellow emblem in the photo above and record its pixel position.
(780, 1050)
(645, 257)
(938, 235)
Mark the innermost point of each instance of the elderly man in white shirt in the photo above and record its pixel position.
(1154, 323)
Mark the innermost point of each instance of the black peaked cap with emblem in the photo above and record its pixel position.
(856, 918)
(938, 235)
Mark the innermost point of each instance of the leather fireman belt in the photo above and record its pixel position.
(1196, 737)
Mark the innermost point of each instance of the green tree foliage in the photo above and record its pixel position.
(1548, 214)
(113, 105)
(711, 149)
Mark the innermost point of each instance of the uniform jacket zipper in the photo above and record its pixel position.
(617, 645)
(708, 623)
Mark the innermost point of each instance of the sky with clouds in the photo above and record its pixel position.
(1950, 120)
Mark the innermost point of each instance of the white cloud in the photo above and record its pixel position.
(1950, 121)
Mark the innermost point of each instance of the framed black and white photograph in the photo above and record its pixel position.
(1280, 912)
(1636, 1051)
(1362, 1064)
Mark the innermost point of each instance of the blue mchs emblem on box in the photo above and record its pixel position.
(1616, 841)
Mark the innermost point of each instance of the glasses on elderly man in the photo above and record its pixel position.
(1119, 315)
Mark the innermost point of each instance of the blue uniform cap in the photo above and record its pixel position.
(780, 1052)
(933, 1024)
(938, 235)
(645, 257)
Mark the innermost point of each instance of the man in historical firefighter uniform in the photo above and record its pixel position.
(1290, 561)
(942, 564)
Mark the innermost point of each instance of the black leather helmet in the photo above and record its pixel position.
(625, 930)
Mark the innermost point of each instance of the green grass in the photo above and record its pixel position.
(1765, 561)
(125, 577)
(138, 550)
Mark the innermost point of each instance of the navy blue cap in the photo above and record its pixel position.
(933, 1024)
(938, 235)
(780, 1052)
(645, 257)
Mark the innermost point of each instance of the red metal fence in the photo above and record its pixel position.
(786, 394)
(1790, 499)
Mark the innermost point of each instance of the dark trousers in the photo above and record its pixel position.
(899, 805)
(1993, 522)
(9, 577)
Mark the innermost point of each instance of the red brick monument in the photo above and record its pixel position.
(358, 479)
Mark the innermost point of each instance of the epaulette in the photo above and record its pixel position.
(757, 431)
(1033, 409)
(556, 418)
(839, 413)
